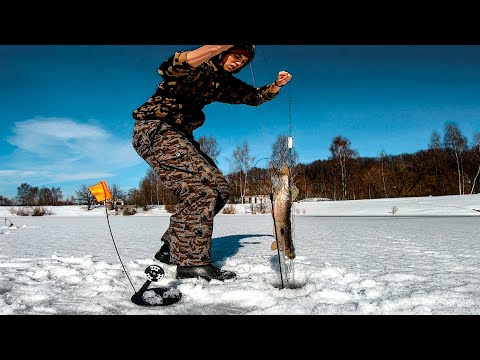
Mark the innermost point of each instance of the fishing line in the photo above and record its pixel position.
(285, 156)
(161, 296)
(278, 245)
(290, 147)
(288, 158)
(114, 244)
(271, 193)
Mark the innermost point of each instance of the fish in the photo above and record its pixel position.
(284, 193)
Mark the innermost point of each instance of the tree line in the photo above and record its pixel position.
(28, 195)
(450, 166)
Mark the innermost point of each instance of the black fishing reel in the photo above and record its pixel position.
(155, 296)
(154, 273)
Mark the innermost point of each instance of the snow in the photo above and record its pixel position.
(383, 256)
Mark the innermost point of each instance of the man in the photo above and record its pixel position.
(163, 137)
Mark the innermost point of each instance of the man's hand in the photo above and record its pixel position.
(283, 78)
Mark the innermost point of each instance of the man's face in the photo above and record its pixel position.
(232, 62)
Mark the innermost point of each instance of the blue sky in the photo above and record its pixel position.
(66, 109)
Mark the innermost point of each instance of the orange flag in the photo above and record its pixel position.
(100, 191)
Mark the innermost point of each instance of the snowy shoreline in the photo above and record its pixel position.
(451, 205)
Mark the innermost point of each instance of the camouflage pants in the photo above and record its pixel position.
(193, 177)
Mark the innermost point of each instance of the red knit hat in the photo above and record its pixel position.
(243, 49)
(240, 51)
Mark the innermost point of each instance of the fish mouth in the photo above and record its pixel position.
(290, 253)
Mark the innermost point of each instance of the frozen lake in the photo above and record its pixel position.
(344, 265)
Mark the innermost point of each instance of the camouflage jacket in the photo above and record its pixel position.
(185, 90)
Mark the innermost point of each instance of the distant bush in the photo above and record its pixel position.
(129, 210)
(394, 209)
(259, 208)
(229, 209)
(22, 211)
(40, 211)
(31, 211)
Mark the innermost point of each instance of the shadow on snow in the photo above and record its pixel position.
(226, 246)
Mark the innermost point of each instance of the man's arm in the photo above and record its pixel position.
(183, 63)
(205, 52)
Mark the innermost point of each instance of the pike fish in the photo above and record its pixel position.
(283, 195)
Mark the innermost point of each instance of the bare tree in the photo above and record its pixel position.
(369, 179)
(209, 146)
(438, 159)
(151, 191)
(242, 163)
(117, 194)
(84, 196)
(5, 201)
(455, 142)
(343, 157)
(70, 200)
(45, 196)
(476, 151)
(57, 195)
(150, 186)
(435, 141)
(27, 194)
(305, 180)
(282, 154)
(382, 162)
(133, 196)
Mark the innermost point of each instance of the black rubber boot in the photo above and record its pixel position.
(163, 255)
(207, 272)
